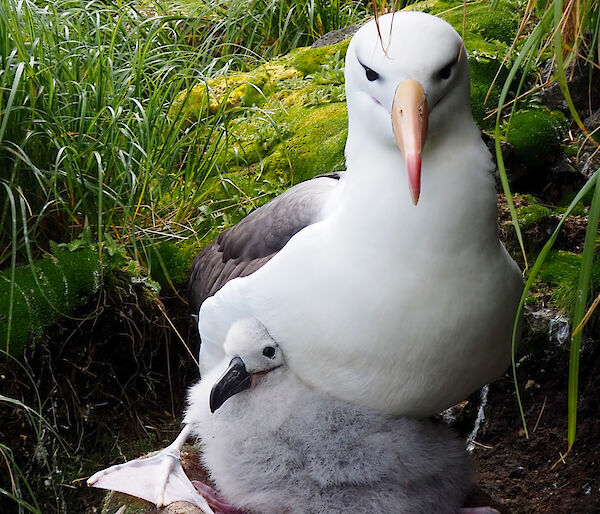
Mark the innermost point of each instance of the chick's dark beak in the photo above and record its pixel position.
(235, 380)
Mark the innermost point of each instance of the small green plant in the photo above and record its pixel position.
(330, 82)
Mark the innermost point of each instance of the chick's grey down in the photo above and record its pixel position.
(282, 446)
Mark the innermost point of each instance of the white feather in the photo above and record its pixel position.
(399, 308)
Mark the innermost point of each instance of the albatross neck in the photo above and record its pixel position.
(457, 188)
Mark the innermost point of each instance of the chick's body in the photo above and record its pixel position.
(285, 447)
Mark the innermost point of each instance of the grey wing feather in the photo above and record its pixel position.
(247, 246)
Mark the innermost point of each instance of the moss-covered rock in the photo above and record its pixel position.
(311, 60)
(535, 134)
(43, 292)
(532, 214)
(484, 26)
(561, 271)
(298, 157)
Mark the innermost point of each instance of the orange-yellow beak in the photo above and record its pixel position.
(409, 120)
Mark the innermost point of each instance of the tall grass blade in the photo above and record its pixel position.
(537, 265)
(560, 68)
(20, 502)
(6, 113)
(13, 263)
(579, 311)
(525, 55)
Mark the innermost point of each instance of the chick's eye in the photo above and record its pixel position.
(444, 73)
(269, 352)
(371, 75)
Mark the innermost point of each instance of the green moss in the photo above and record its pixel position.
(578, 210)
(254, 137)
(52, 287)
(170, 262)
(483, 72)
(310, 60)
(532, 214)
(255, 90)
(561, 271)
(535, 134)
(571, 150)
(317, 143)
(499, 23)
(484, 27)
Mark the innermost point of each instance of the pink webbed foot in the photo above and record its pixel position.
(215, 500)
(159, 479)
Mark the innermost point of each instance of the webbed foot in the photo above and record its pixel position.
(159, 479)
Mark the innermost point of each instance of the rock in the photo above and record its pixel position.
(531, 384)
(584, 92)
(588, 160)
(335, 36)
(180, 508)
(544, 325)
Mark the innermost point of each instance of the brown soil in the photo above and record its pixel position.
(527, 474)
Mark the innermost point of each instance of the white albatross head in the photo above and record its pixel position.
(404, 83)
(253, 354)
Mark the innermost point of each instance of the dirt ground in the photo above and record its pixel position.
(520, 472)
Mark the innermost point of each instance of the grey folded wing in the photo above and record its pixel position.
(245, 247)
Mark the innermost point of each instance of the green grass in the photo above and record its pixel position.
(85, 138)
(563, 32)
(271, 27)
(91, 130)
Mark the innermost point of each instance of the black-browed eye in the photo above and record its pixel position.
(269, 352)
(445, 72)
(371, 75)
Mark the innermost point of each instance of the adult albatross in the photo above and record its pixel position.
(397, 307)
(400, 307)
